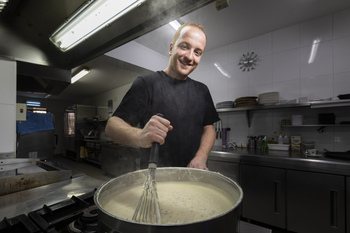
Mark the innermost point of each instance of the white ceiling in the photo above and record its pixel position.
(243, 19)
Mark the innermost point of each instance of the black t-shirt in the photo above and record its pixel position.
(187, 104)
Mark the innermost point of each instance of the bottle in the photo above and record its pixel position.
(280, 139)
(264, 145)
(285, 139)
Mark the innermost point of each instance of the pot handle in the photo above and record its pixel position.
(155, 149)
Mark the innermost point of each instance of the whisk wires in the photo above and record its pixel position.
(148, 209)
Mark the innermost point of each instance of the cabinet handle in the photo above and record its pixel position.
(277, 196)
(334, 207)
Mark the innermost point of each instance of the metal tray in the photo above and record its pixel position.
(339, 155)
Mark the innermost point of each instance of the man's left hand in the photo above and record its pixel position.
(198, 162)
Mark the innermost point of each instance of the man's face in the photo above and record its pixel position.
(186, 53)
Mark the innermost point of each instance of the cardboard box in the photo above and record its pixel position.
(295, 143)
(295, 140)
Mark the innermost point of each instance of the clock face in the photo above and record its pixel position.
(248, 61)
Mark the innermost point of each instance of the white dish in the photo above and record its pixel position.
(279, 146)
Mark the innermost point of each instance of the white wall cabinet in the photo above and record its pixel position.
(8, 106)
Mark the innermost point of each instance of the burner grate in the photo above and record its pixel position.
(53, 218)
(18, 224)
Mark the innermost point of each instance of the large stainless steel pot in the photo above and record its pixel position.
(225, 223)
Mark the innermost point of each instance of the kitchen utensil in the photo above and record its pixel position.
(337, 154)
(307, 145)
(311, 152)
(344, 96)
(224, 223)
(224, 136)
(252, 142)
(148, 209)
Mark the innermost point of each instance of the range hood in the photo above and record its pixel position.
(41, 80)
(25, 28)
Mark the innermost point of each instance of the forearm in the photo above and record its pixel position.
(207, 141)
(122, 133)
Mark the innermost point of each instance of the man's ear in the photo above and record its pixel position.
(170, 48)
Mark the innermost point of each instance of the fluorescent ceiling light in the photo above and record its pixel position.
(79, 75)
(222, 71)
(33, 103)
(175, 24)
(92, 17)
(314, 49)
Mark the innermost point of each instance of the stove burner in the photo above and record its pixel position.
(55, 218)
(87, 223)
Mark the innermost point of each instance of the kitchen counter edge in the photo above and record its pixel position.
(281, 159)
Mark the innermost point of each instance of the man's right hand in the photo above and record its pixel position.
(155, 130)
(122, 133)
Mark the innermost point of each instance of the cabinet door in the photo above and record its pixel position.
(264, 195)
(315, 202)
(229, 169)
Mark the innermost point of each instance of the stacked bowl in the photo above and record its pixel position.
(269, 98)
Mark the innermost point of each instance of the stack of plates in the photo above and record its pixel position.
(269, 98)
(246, 101)
(225, 104)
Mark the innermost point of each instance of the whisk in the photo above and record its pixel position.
(148, 209)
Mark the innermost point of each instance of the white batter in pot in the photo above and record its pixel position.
(180, 202)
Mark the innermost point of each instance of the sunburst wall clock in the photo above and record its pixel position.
(248, 61)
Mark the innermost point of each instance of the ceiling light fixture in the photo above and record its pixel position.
(3, 4)
(175, 24)
(314, 49)
(90, 18)
(222, 71)
(79, 75)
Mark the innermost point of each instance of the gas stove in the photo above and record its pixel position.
(74, 215)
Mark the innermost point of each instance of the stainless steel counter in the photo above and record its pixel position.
(23, 202)
(281, 159)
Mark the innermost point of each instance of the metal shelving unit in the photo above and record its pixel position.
(313, 104)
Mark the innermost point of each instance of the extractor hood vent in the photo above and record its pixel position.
(40, 79)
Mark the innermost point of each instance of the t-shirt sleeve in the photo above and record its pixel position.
(134, 104)
(211, 115)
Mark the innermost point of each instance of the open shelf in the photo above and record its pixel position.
(313, 104)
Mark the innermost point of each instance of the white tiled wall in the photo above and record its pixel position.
(284, 67)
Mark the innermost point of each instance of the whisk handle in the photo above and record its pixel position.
(155, 149)
(154, 153)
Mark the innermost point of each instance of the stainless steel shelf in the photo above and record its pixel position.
(329, 125)
(263, 107)
(312, 104)
(320, 127)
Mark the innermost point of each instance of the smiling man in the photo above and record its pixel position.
(186, 132)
